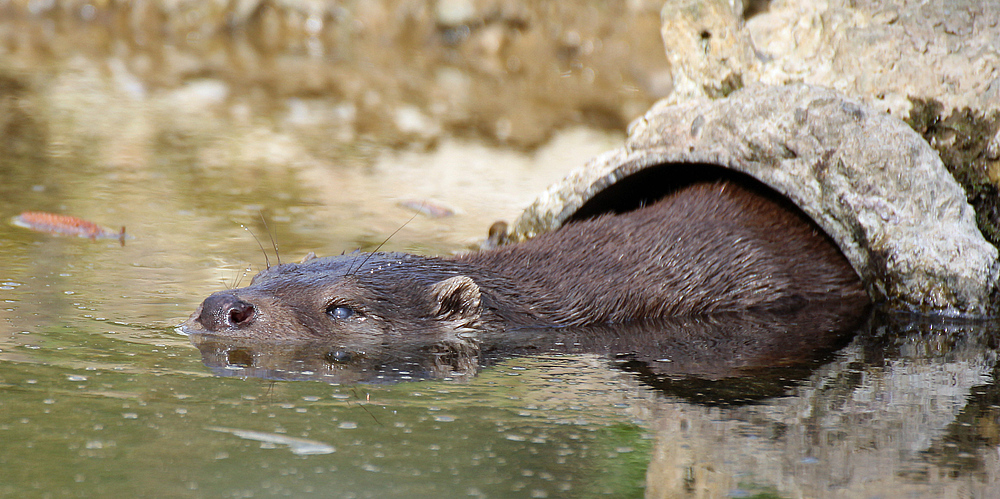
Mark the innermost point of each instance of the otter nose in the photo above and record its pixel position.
(223, 311)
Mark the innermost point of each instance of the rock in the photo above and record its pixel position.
(707, 46)
(882, 53)
(871, 182)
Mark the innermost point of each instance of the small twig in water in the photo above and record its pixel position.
(362, 406)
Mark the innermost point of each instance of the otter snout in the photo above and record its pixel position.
(224, 312)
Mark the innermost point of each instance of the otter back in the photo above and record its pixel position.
(710, 247)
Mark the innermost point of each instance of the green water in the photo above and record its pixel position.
(100, 396)
(145, 428)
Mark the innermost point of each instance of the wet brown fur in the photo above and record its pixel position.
(712, 247)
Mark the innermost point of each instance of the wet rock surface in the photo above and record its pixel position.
(872, 183)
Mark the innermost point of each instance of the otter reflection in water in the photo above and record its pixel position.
(661, 352)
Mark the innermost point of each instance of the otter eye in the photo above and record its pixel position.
(339, 311)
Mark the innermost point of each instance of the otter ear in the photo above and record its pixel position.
(309, 256)
(457, 298)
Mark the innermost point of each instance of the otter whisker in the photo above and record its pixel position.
(241, 276)
(274, 241)
(261, 246)
(351, 271)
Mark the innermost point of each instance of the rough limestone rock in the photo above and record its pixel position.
(883, 53)
(872, 183)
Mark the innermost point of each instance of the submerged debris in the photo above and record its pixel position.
(428, 208)
(298, 446)
(66, 225)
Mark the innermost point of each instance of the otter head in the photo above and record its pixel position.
(359, 298)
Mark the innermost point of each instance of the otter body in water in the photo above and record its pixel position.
(706, 248)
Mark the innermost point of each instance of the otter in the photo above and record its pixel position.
(710, 247)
